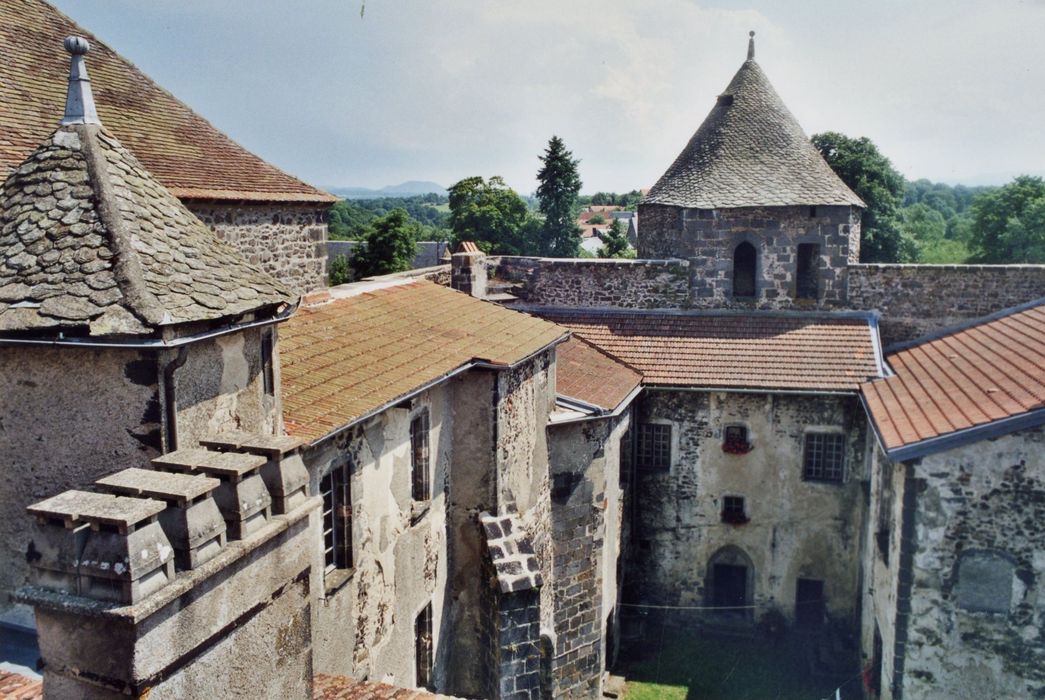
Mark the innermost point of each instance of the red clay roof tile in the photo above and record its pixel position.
(759, 351)
(586, 373)
(343, 359)
(969, 377)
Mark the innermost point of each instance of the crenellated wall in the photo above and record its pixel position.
(918, 299)
(287, 241)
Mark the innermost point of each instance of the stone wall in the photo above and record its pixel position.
(286, 240)
(918, 299)
(638, 284)
(586, 521)
(795, 529)
(707, 239)
(364, 625)
(978, 631)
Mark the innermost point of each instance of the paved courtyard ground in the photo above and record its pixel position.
(669, 663)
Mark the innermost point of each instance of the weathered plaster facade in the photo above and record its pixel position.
(707, 238)
(289, 241)
(958, 597)
(795, 528)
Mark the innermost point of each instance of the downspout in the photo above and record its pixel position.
(170, 399)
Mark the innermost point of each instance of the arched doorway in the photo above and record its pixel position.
(730, 582)
(745, 264)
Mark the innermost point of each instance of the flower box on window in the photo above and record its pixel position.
(735, 440)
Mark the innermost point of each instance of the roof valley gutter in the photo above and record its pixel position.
(471, 364)
(151, 343)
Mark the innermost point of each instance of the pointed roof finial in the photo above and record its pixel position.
(79, 101)
(751, 45)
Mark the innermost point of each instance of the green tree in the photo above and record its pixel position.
(389, 246)
(615, 242)
(597, 219)
(928, 228)
(1009, 223)
(860, 164)
(557, 193)
(339, 271)
(493, 215)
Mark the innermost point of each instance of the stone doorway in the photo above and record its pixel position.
(809, 603)
(731, 582)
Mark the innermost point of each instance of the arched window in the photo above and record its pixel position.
(744, 265)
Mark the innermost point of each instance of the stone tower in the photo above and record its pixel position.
(753, 206)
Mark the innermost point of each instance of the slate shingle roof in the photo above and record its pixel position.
(750, 151)
(345, 359)
(971, 377)
(814, 352)
(183, 151)
(586, 373)
(89, 240)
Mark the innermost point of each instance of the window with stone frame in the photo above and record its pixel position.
(420, 464)
(733, 510)
(735, 440)
(268, 371)
(653, 452)
(424, 657)
(745, 265)
(807, 272)
(824, 457)
(335, 488)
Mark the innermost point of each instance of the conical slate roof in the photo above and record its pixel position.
(750, 151)
(90, 241)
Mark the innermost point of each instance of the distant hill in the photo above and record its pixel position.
(410, 188)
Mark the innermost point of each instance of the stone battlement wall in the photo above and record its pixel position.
(918, 299)
(640, 284)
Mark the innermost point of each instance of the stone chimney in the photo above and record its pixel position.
(468, 270)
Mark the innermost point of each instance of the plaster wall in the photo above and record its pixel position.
(364, 625)
(987, 497)
(587, 508)
(286, 240)
(707, 239)
(797, 529)
(67, 417)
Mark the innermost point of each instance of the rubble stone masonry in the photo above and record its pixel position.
(287, 241)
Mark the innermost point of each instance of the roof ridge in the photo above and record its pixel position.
(126, 266)
(963, 325)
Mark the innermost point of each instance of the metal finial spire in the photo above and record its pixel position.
(79, 101)
(751, 46)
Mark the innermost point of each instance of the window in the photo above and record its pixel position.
(824, 457)
(625, 459)
(744, 259)
(423, 652)
(419, 461)
(268, 376)
(733, 510)
(654, 449)
(807, 274)
(812, 212)
(734, 440)
(337, 518)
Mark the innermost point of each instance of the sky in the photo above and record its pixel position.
(949, 90)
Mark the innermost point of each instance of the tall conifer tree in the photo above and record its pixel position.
(557, 193)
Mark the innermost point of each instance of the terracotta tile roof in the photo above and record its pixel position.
(14, 686)
(750, 151)
(185, 152)
(586, 373)
(326, 687)
(817, 352)
(88, 239)
(973, 376)
(347, 358)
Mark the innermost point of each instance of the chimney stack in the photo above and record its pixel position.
(468, 270)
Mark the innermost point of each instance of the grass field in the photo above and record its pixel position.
(673, 664)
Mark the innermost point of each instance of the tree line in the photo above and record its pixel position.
(926, 222)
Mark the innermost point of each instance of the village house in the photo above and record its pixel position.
(251, 493)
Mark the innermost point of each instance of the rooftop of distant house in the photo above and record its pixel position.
(187, 154)
(376, 343)
(974, 380)
(796, 351)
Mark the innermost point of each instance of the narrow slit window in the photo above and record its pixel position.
(337, 518)
(423, 649)
(744, 264)
(419, 457)
(268, 373)
(807, 274)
